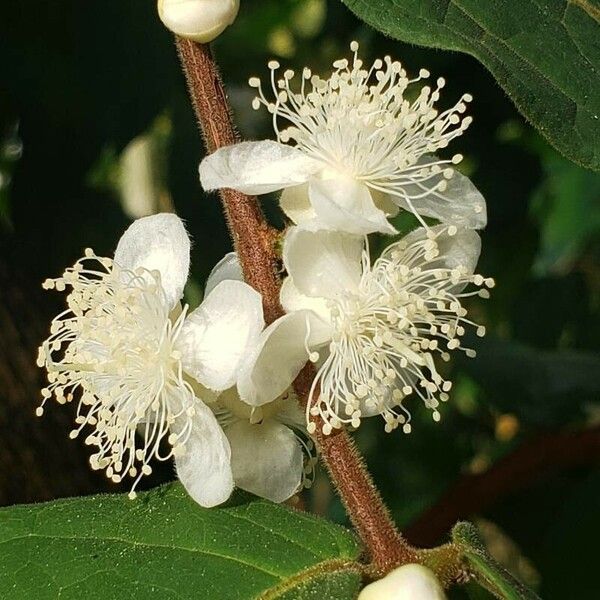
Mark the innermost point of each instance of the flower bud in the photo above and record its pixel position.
(410, 582)
(198, 20)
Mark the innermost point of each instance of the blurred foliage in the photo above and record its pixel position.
(566, 207)
(97, 94)
(10, 152)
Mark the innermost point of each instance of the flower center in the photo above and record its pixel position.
(384, 339)
(359, 123)
(114, 349)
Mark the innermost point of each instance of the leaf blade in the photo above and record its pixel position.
(164, 545)
(546, 59)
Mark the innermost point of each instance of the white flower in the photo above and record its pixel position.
(269, 442)
(271, 454)
(409, 582)
(374, 330)
(130, 356)
(360, 151)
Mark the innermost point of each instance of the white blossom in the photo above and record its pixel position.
(373, 330)
(271, 454)
(133, 359)
(353, 149)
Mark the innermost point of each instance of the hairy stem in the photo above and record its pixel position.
(364, 504)
(366, 509)
(251, 235)
(253, 241)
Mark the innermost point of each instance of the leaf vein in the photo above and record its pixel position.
(135, 543)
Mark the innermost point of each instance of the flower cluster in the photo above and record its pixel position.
(351, 151)
(212, 387)
(153, 380)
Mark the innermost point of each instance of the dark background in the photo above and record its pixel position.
(93, 106)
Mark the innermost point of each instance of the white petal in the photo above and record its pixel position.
(158, 243)
(277, 359)
(292, 299)
(461, 204)
(295, 203)
(256, 167)
(323, 263)
(343, 204)
(205, 468)
(459, 250)
(266, 459)
(291, 413)
(220, 334)
(385, 202)
(227, 268)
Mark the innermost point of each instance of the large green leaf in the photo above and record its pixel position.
(544, 53)
(163, 545)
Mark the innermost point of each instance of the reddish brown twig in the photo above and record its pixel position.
(533, 459)
(250, 232)
(253, 242)
(368, 514)
(366, 509)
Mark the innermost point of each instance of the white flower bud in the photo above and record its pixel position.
(410, 582)
(198, 20)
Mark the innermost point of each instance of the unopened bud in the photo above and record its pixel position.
(410, 582)
(198, 20)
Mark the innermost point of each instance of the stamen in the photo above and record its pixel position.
(359, 123)
(408, 309)
(114, 350)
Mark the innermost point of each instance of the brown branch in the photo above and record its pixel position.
(366, 509)
(253, 242)
(252, 236)
(368, 514)
(534, 459)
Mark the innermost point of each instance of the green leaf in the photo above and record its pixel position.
(544, 53)
(163, 545)
(491, 575)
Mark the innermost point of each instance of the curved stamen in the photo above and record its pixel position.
(407, 310)
(114, 349)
